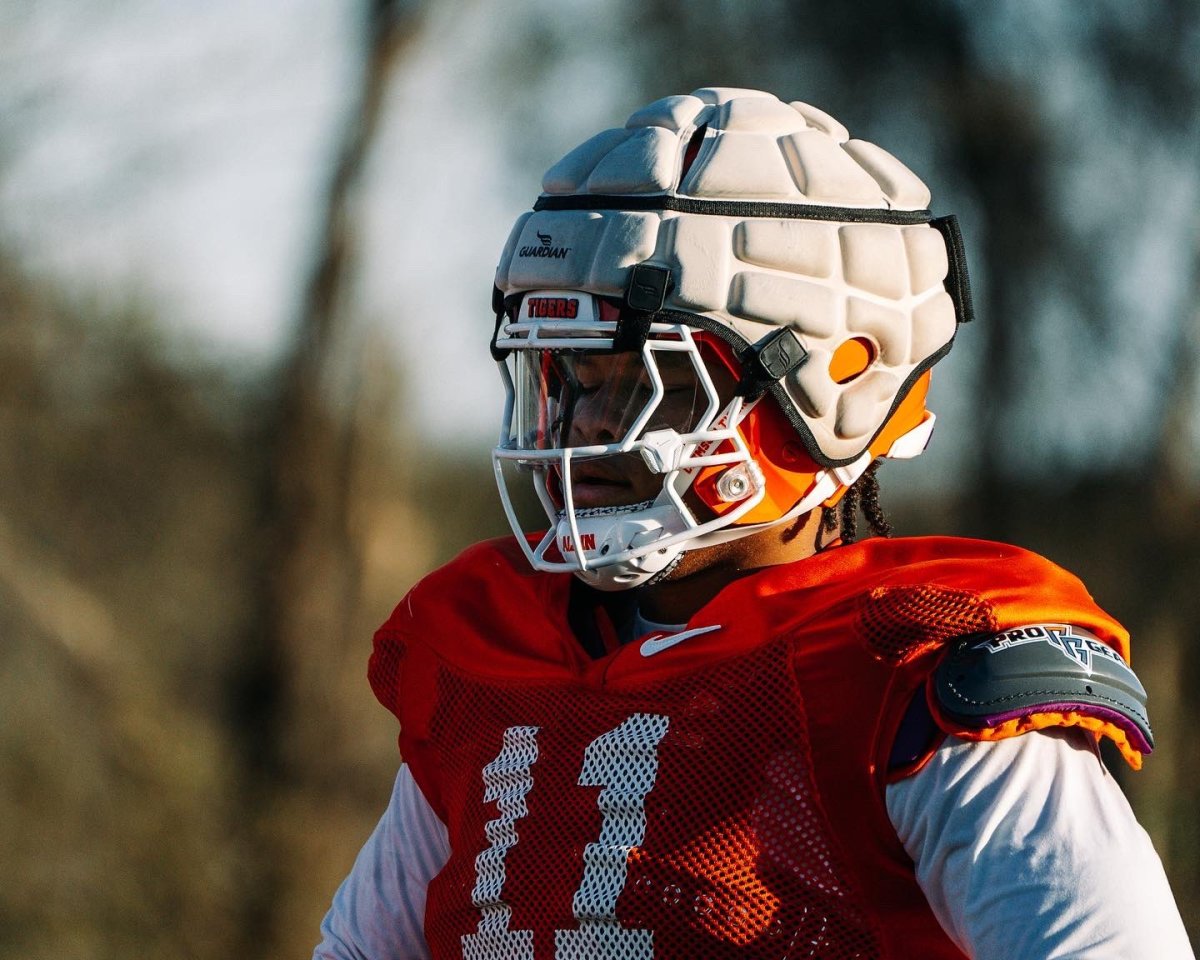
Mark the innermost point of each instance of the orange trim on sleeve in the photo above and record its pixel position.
(1042, 721)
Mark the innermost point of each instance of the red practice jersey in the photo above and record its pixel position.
(716, 793)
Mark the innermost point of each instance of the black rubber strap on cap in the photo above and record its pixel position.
(986, 680)
(729, 208)
(498, 309)
(645, 294)
(768, 361)
(647, 289)
(632, 331)
(958, 283)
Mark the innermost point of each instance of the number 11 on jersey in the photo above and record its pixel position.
(624, 761)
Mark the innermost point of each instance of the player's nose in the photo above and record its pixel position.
(594, 419)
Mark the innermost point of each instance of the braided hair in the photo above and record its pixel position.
(863, 495)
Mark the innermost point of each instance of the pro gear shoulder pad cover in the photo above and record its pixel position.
(989, 687)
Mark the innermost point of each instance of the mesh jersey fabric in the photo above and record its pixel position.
(994, 829)
(718, 798)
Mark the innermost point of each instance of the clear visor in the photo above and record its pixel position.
(601, 401)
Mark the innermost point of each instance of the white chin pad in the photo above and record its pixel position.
(606, 535)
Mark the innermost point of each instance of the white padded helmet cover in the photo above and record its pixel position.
(763, 231)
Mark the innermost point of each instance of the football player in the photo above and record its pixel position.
(682, 712)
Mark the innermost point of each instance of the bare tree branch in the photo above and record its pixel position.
(310, 562)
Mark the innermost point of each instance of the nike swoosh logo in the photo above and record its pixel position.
(652, 645)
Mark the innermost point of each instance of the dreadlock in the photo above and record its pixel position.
(863, 495)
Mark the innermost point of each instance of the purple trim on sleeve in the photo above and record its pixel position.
(1137, 739)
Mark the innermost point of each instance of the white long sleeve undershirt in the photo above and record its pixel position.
(1025, 848)
(378, 912)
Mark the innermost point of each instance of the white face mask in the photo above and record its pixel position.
(612, 441)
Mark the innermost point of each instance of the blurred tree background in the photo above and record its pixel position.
(233, 431)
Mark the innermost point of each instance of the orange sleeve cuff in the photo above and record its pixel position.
(1042, 721)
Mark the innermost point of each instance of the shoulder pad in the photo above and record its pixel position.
(991, 686)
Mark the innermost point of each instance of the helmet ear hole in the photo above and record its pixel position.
(851, 359)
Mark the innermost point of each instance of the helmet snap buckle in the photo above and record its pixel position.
(739, 482)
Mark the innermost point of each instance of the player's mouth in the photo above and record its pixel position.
(599, 484)
(596, 490)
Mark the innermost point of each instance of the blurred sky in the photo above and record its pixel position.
(178, 153)
(175, 149)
